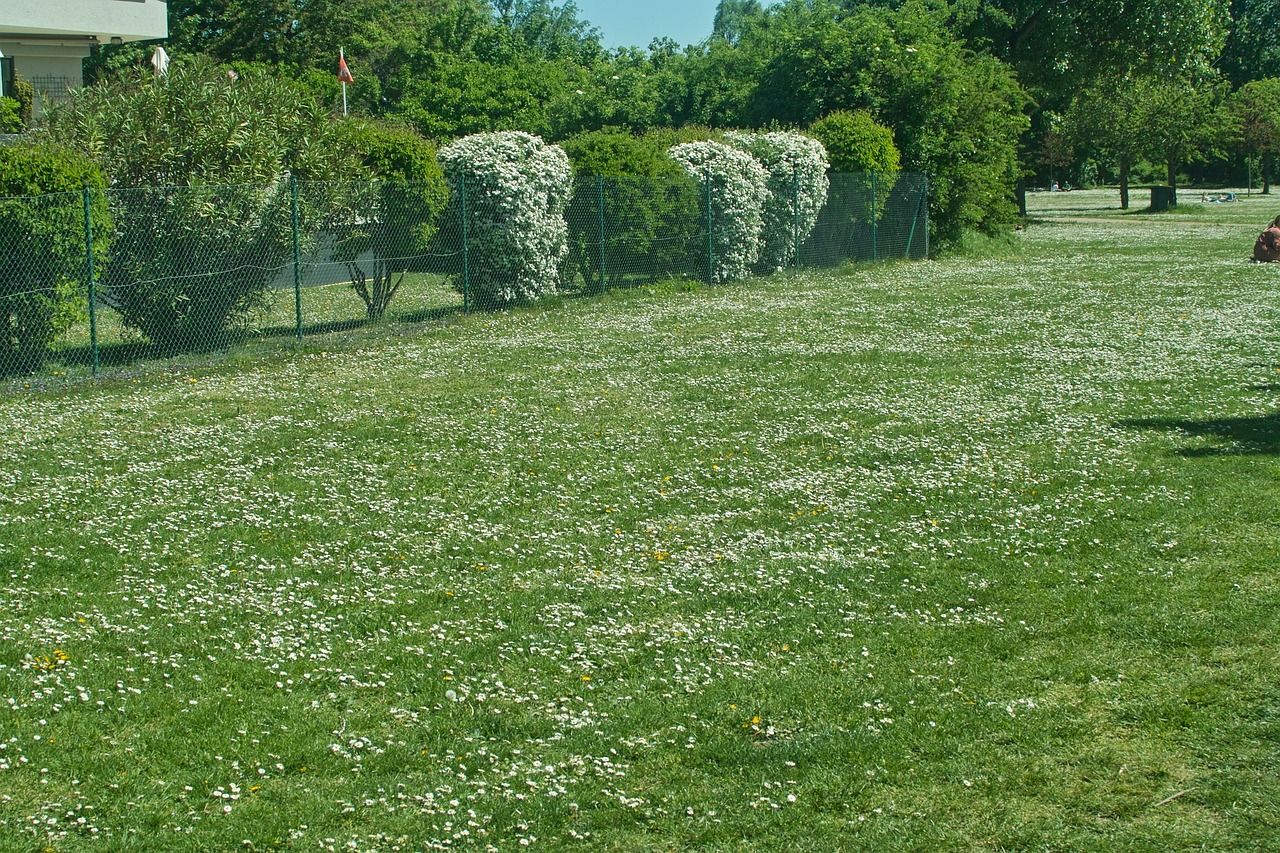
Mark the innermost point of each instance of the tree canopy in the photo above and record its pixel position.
(1252, 50)
(1254, 111)
(969, 88)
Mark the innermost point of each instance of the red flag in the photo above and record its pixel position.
(344, 73)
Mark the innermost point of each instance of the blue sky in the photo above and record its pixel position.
(626, 22)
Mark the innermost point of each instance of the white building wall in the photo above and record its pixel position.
(49, 39)
(128, 20)
(51, 66)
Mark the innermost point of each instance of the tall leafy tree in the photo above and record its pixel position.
(1057, 151)
(955, 113)
(1057, 46)
(733, 17)
(1108, 119)
(298, 33)
(548, 29)
(1252, 50)
(1254, 110)
(1183, 121)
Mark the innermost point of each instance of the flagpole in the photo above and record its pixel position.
(343, 57)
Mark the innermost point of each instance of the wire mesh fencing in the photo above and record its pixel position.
(630, 231)
(96, 281)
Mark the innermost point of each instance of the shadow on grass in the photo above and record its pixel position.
(126, 354)
(288, 331)
(1183, 209)
(424, 315)
(1083, 208)
(1249, 436)
(113, 354)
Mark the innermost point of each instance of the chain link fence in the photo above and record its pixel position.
(94, 282)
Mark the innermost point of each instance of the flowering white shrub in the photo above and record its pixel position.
(738, 187)
(517, 188)
(797, 167)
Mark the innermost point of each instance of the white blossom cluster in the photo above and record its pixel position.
(797, 167)
(517, 189)
(739, 189)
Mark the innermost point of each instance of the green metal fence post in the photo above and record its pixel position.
(604, 277)
(926, 216)
(921, 206)
(297, 257)
(466, 248)
(89, 276)
(795, 216)
(711, 250)
(875, 217)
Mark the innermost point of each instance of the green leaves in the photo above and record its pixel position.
(1255, 113)
(856, 142)
(1058, 47)
(200, 165)
(42, 247)
(390, 220)
(1252, 50)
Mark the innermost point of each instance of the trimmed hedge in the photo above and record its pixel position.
(516, 189)
(391, 220)
(647, 198)
(797, 167)
(858, 144)
(42, 247)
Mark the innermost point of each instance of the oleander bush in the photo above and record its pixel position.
(737, 187)
(797, 182)
(514, 188)
(200, 164)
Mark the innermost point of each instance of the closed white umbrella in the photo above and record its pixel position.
(160, 61)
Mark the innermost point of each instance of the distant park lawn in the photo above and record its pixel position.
(979, 553)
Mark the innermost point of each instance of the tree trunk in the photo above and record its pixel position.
(1124, 184)
(378, 291)
(1173, 182)
(1266, 174)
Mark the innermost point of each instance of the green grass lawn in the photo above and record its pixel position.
(970, 554)
(329, 310)
(1250, 208)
